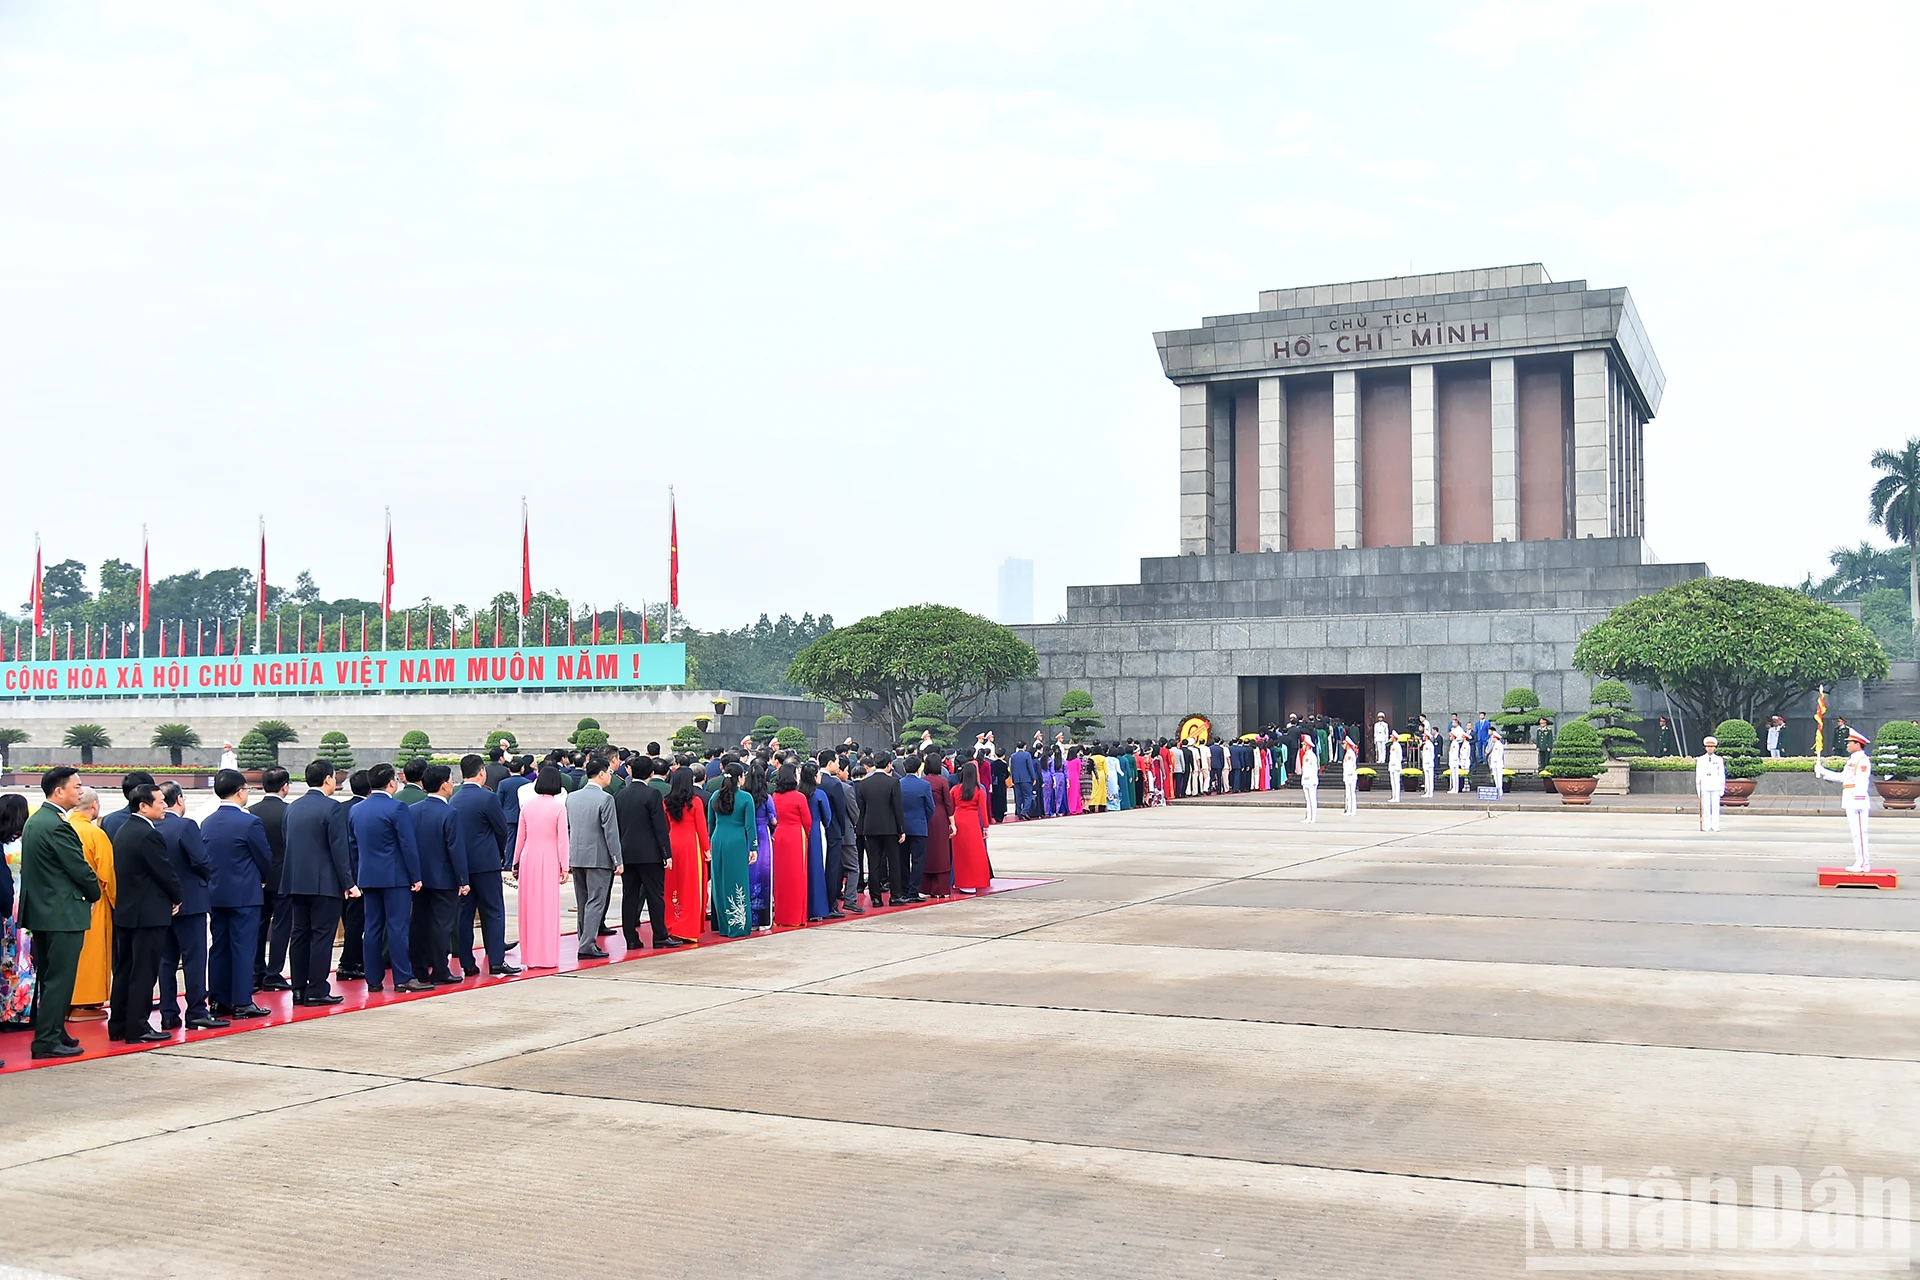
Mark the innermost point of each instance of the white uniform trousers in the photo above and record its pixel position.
(1312, 791)
(1353, 794)
(1709, 810)
(1857, 828)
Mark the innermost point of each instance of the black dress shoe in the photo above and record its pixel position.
(66, 1038)
(169, 1024)
(834, 915)
(593, 953)
(149, 1036)
(60, 1051)
(449, 981)
(634, 943)
(676, 942)
(374, 988)
(853, 908)
(314, 1001)
(250, 1010)
(414, 985)
(505, 970)
(273, 982)
(205, 1023)
(605, 932)
(298, 998)
(350, 975)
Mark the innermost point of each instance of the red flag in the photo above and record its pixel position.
(543, 626)
(343, 632)
(596, 626)
(429, 626)
(673, 555)
(86, 641)
(123, 641)
(199, 638)
(219, 635)
(300, 632)
(569, 626)
(619, 627)
(386, 590)
(476, 630)
(363, 631)
(163, 640)
(643, 622)
(496, 625)
(526, 565)
(146, 580)
(408, 642)
(39, 613)
(276, 633)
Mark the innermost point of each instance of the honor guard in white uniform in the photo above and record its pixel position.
(1497, 760)
(1429, 738)
(1459, 755)
(1309, 761)
(1381, 732)
(1396, 760)
(1855, 795)
(1350, 771)
(1710, 782)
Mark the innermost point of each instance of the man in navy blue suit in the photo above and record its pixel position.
(1025, 774)
(443, 878)
(186, 945)
(237, 852)
(317, 881)
(916, 806)
(389, 874)
(128, 781)
(480, 829)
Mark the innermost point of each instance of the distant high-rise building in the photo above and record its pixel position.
(1016, 591)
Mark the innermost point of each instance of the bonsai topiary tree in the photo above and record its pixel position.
(763, 730)
(255, 751)
(688, 738)
(1577, 752)
(589, 739)
(173, 739)
(414, 742)
(1612, 711)
(929, 716)
(87, 737)
(587, 724)
(276, 732)
(1519, 710)
(9, 739)
(1896, 751)
(1737, 741)
(501, 738)
(1077, 713)
(790, 739)
(335, 750)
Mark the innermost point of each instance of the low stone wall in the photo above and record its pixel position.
(1649, 783)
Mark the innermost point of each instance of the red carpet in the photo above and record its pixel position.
(92, 1033)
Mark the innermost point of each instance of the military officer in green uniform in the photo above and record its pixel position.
(57, 893)
(1543, 738)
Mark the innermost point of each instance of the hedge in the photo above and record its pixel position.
(1768, 764)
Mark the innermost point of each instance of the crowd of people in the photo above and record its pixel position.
(251, 897)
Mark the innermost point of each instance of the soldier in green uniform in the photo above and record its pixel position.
(57, 893)
(1543, 738)
(1663, 740)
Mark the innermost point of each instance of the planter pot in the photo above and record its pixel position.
(1523, 757)
(1897, 793)
(1546, 785)
(1615, 781)
(1366, 782)
(1738, 789)
(1575, 790)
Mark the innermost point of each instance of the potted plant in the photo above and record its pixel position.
(173, 739)
(255, 755)
(335, 749)
(1520, 710)
(1896, 764)
(1546, 780)
(9, 739)
(89, 738)
(1577, 761)
(688, 738)
(702, 721)
(1364, 778)
(719, 707)
(1740, 745)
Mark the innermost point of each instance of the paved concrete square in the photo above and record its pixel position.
(1224, 1044)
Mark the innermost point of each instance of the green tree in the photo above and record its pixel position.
(688, 738)
(1740, 744)
(880, 665)
(87, 737)
(587, 725)
(276, 732)
(414, 742)
(790, 739)
(254, 751)
(763, 730)
(1077, 713)
(590, 739)
(1858, 570)
(173, 739)
(1896, 750)
(1611, 713)
(64, 585)
(1520, 711)
(1577, 752)
(1886, 613)
(1894, 505)
(1725, 649)
(335, 749)
(502, 738)
(929, 716)
(9, 739)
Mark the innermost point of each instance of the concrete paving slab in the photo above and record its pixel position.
(1421, 1105)
(95, 1106)
(1834, 953)
(460, 1028)
(780, 961)
(993, 917)
(1758, 1013)
(1793, 883)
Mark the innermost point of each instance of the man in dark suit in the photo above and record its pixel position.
(389, 874)
(916, 804)
(57, 893)
(276, 916)
(480, 830)
(131, 779)
(353, 920)
(883, 827)
(237, 852)
(185, 949)
(497, 770)
(645, 851)
(317, 880)
(443, 879)
(146, 897)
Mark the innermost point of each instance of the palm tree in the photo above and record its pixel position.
(1894, 505)
(276, 732)
(175, 738)
(86, 737)
(10, 738)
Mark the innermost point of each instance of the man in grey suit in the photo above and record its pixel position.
(593, 854)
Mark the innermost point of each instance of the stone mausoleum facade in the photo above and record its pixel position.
(1397, 495)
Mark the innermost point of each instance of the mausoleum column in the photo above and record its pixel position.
(1346, 460)
(1506, 453)
(1426, 460)
(1196, 471)
(1592, 497)
(1273, 465)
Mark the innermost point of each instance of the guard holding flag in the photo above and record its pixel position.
(1856, 796)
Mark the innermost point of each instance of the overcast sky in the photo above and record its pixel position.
(874, 285)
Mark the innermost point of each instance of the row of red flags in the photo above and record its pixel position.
(37, 600)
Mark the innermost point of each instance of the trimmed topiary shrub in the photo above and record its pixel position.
(791, 739)
(688, 738)
(254, 751)
(1737, 741)
(1077, 713)
(587, 725)
(335, 750)
(500, 738)
(1896, 751)
(414, 742)
(1519, 711)
(764, 728)
(589, 739)
(1612, 712)
(1577, 752)
(929, 716)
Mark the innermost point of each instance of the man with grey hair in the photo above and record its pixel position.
(593, 855)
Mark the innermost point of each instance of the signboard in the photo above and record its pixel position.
(1489, 793)
(394, 671)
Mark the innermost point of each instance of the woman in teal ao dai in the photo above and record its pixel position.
(736, 848)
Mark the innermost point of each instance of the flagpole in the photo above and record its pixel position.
(36, 597)
(145, 574)
(386, 587)
(526, 573)
(673, 560)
